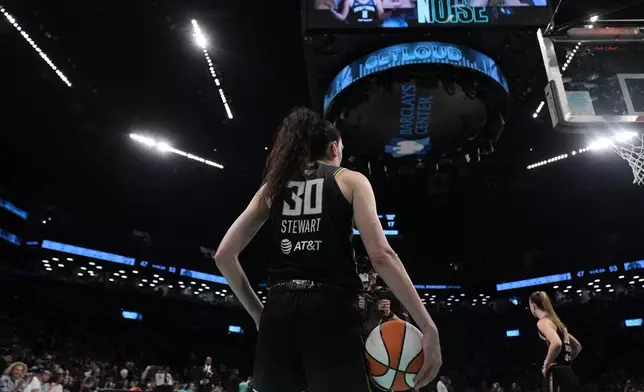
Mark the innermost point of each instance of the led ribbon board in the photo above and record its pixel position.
(330, 14)
(412, 54)
(533, 282)
(85, 252)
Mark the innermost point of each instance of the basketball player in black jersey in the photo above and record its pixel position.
(310, 335)
(563, 348)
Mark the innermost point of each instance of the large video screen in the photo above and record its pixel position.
(339, 14)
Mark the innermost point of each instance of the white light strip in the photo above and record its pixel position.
(601, 143)
(202, 42)
(31, 42)
(165, 147)
(565, 66)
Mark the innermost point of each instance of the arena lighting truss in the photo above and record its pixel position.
(601, 143)
(563, 68)
(165, 147)
(202, 42)
(31, 42)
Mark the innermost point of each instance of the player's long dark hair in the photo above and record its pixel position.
(303, 137)
(542, 301)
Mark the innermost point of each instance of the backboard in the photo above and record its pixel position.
(595, 78)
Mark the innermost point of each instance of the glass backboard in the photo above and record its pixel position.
(595, 78)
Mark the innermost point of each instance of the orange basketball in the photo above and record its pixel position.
(395, 355)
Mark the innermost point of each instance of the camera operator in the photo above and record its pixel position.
(377, 305)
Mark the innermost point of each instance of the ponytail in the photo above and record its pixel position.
(542, 301)
(303, 137)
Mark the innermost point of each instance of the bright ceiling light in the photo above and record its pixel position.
(202, 42)
(594, 18)
(70, 259)
(200, 39)
(135, 272)
(165, 147)
(35, 47)
(99, 267)
(55, 258)
(170, 286)
(601, 143)
(61, 265)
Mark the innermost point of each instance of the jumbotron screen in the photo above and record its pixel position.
(339, 14)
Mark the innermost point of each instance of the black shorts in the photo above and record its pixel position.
(561, 379)
(311, 341)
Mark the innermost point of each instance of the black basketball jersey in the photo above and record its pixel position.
(565, 355)
(364, 13)
(312, 228)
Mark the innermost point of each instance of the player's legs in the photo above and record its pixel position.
(565, 379)
(278, 366)
(331, 341)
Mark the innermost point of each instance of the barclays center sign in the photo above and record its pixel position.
(410, 54)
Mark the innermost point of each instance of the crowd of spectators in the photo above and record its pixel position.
(65, 337)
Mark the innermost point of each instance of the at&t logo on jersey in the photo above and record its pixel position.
(310, 246)
(286, 246)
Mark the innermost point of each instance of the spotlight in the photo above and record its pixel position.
(200, 39)
(594, 18)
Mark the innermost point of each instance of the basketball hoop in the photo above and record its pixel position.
(631, 149)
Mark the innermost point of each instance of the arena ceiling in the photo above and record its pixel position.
(134, 67)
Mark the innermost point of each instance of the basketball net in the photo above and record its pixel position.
(632, 151)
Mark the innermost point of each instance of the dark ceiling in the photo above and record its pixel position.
(65, 152)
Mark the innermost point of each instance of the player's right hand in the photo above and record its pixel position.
(433, 359)
(361, 302)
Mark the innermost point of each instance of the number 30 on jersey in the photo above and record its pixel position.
(306, 198)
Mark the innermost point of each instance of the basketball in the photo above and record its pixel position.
(394, 353)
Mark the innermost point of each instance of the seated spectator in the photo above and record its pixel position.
(13, 379)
